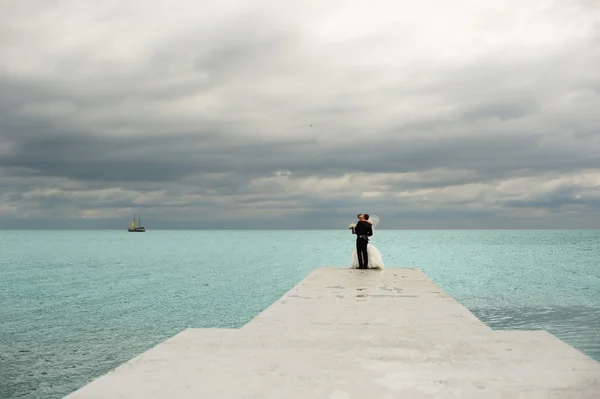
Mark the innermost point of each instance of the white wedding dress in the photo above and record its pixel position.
(375, 259)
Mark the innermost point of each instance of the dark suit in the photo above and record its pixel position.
(363, 230)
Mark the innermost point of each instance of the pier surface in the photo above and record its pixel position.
(342, 334)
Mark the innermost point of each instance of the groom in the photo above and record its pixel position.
(363, 231)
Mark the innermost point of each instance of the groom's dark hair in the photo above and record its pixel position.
(366, 216)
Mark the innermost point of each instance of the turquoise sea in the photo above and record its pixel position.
(75, 304)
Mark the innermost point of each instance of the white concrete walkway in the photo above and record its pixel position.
(344, 334)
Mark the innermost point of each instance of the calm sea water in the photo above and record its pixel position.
(75, 304)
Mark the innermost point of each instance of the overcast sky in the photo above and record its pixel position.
(296, 114)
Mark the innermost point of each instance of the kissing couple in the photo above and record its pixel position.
(365, 255)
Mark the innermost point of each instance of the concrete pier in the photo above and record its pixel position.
(343, 334)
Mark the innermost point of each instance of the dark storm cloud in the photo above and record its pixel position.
(91, 157)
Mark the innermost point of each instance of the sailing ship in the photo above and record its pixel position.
(133, 228)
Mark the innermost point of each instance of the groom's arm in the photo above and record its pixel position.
(370, 231)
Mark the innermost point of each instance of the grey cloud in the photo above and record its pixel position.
(561, 197)
(173, 157)
(504, 110)
(558, 202)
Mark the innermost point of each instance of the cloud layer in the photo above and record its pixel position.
(300, 114)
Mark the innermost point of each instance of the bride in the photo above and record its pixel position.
(375, 259)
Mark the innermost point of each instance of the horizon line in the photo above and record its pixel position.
(307, 229)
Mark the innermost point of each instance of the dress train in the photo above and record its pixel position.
(375, 258)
